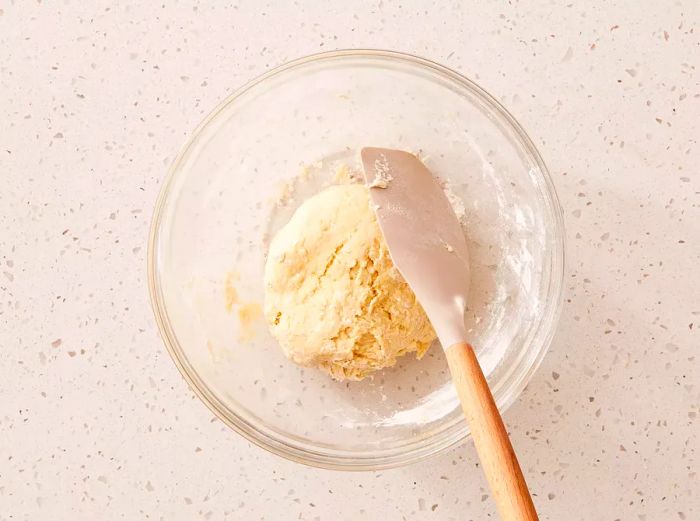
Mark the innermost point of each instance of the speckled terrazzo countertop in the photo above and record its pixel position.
(97, 97)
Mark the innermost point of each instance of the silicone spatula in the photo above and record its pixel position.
(428, 248)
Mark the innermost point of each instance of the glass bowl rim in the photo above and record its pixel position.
(426, 447)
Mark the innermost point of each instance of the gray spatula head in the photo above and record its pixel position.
(423, 234)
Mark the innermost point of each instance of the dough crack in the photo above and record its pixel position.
(332, 259)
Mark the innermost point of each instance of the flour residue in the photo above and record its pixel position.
(248, 315)
(382, 176)
(456, 202)
(230, 292)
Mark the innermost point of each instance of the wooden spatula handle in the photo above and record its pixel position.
(490, 436)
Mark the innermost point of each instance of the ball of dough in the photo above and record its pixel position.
(333, 298)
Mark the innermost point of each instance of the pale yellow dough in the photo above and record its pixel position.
(333, 298)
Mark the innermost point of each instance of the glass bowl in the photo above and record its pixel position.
(238, 179)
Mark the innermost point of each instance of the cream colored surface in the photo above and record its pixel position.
(333, 298)
(610, 423)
